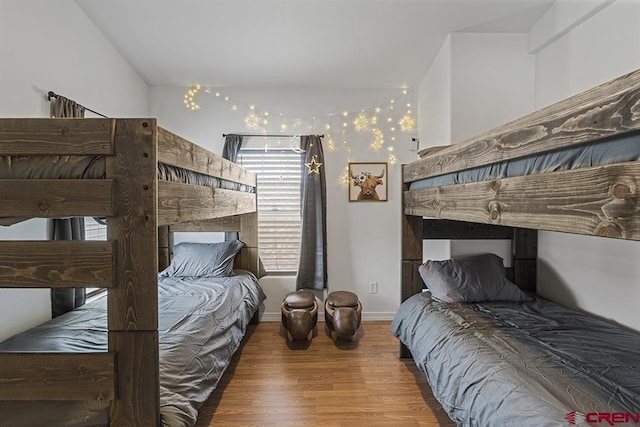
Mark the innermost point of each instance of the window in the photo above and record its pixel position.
(279, 222)
(94, 231)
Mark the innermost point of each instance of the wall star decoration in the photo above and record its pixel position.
(313, 166)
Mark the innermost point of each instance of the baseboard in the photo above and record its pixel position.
(366, 316)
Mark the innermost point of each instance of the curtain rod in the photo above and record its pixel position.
(52, 94)
(224, 135)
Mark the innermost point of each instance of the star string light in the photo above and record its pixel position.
(380, 120)
(313, 166)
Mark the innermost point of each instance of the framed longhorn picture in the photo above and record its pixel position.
(368, 182)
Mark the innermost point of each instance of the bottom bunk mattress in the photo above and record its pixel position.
(201, 323)
(529, 363)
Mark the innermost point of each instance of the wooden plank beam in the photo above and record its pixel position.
(177, 151)
(608, 109)
(445, 229)
(57, 376)
(138, 381)
(185, 202)
(133, 304)
(50, 198)
(412, 254)
(599, 201)
(227, 223)
(56, 137)
(56, 264)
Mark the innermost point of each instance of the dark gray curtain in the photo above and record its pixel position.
(230, 151)
(63, 300)
(232, 146)
(312, 267)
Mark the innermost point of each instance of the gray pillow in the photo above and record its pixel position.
(472, 278)
(203, 259)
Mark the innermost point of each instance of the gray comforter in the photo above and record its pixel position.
(201, 324)
(530, 363)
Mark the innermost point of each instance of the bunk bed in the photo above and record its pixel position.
(572, 167)
(147, 182)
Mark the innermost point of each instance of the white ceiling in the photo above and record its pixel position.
(296, 43)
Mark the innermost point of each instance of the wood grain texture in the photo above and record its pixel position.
(445, 229)
(185, 202)
(599, 201)
(273, 383)
(177, 151)
(228, 223)
(59, 137)
(50, 198)
(164, 245)
(56, 264)
(133, 303)
(608, 109)
(55, 376)
(138, 380)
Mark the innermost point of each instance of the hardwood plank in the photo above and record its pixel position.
(247, 259)
(50, 198)
(599, 201)
(138, 382)
(55, 376)
(227, 223)
(164, 255)
(273, 383)
(56, 264)
(608, 109)
(58, 137)
(185, 202)
(133, 304)
(445, 229)
(177, 151)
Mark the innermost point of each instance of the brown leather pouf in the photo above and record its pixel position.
(299, 314)
(343, 313)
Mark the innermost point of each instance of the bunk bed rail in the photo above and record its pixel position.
(135, 202)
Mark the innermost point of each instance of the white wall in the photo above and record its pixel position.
(478, 81)
(598, 275)
(44, 46)
(363, 238)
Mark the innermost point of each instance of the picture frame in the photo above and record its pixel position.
(368, 181)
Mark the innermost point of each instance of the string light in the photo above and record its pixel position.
(190, 97)
(363, 120)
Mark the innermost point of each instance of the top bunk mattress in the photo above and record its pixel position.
(597, 153)
(93, 167)
(529, 363)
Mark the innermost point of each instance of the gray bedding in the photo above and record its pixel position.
(84, 167)
(622, 149)
(520, 364)
(201, 324)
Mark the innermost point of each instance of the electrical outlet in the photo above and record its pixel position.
(413, 144)
(373, 287)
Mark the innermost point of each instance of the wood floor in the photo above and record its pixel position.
(272, 382)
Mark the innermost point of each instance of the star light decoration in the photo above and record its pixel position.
(365, 119)
(313, 166)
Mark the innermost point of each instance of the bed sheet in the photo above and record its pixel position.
(201, 324)
(625, 148)
(529, 363)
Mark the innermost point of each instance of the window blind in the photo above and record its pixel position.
(279, 222)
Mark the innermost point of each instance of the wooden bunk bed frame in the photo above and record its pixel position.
(141, 212)
(599, 201)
